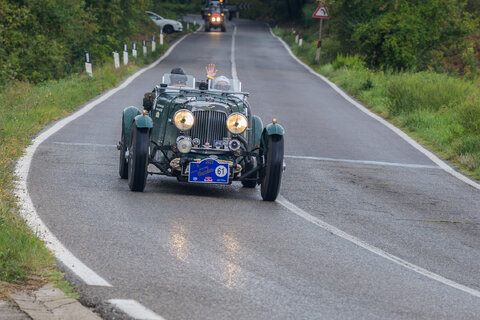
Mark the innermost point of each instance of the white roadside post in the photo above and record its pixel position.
(188, 25)
(161, 36)
(88, 64)
(144, 45)
(321, 13)
(296, 37)
(300, 42)
(154, 44)
(116, 60)
(134, 49)
(125, 54)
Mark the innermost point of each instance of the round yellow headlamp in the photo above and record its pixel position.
(183, 119)
(237, 123)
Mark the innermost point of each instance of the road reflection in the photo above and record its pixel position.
(231, 271)
(178, 244)
(220, 261)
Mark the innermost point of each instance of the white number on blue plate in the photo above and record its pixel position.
(221, 171)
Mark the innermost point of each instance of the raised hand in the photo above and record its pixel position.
(211, 71)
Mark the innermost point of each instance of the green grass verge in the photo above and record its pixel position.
(440, 111)
(25, 109)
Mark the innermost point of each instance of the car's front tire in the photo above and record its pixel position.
(138, 159)
(224, 27)
(168, 29)
(273, 170)
(123, 165)
(207, 27)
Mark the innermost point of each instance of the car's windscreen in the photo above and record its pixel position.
(178, 80)
(225, 84)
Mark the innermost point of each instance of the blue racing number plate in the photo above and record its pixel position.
(208, 171)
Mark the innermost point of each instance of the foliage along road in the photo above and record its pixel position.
(215, 252)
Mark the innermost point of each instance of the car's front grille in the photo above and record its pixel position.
(209, 126)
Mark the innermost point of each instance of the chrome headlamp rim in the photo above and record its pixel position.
(184, 126)
(234, 129)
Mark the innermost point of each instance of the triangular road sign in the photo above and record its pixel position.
(321, 13)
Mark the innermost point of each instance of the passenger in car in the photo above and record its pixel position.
(219, 83)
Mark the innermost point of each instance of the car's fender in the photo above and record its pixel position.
(129, 115)
(257, 129)
(143, 121)
(274, 128)
(270, 130)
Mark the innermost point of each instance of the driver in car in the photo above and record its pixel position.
(178, 77)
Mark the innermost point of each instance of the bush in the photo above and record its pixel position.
(469, 145)
(330, 49)
(408, 92)
(469, 114)
(349, 62)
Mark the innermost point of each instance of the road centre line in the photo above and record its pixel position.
(377, 163)
(299, 212)
(327, 227)
(232, 55)
(27, 209)
(135, 309)
(442, 164)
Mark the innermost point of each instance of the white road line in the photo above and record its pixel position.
(293, 208)
(232, 56)
(377, 163)
(135, 309)
(27, 209)
(399, 132)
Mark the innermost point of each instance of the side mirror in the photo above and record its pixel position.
(148, 99)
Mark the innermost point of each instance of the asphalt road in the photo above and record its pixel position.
(220, 252)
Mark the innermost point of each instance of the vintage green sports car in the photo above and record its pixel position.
(200, 134)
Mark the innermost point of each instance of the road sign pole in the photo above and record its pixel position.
(319, 46)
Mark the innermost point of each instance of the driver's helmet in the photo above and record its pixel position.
(221, 83)
(178, 77)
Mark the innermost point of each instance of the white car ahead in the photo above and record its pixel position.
(167, 25)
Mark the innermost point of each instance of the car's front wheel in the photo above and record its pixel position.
(168, 29)
(138, 159)
(272, 174)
